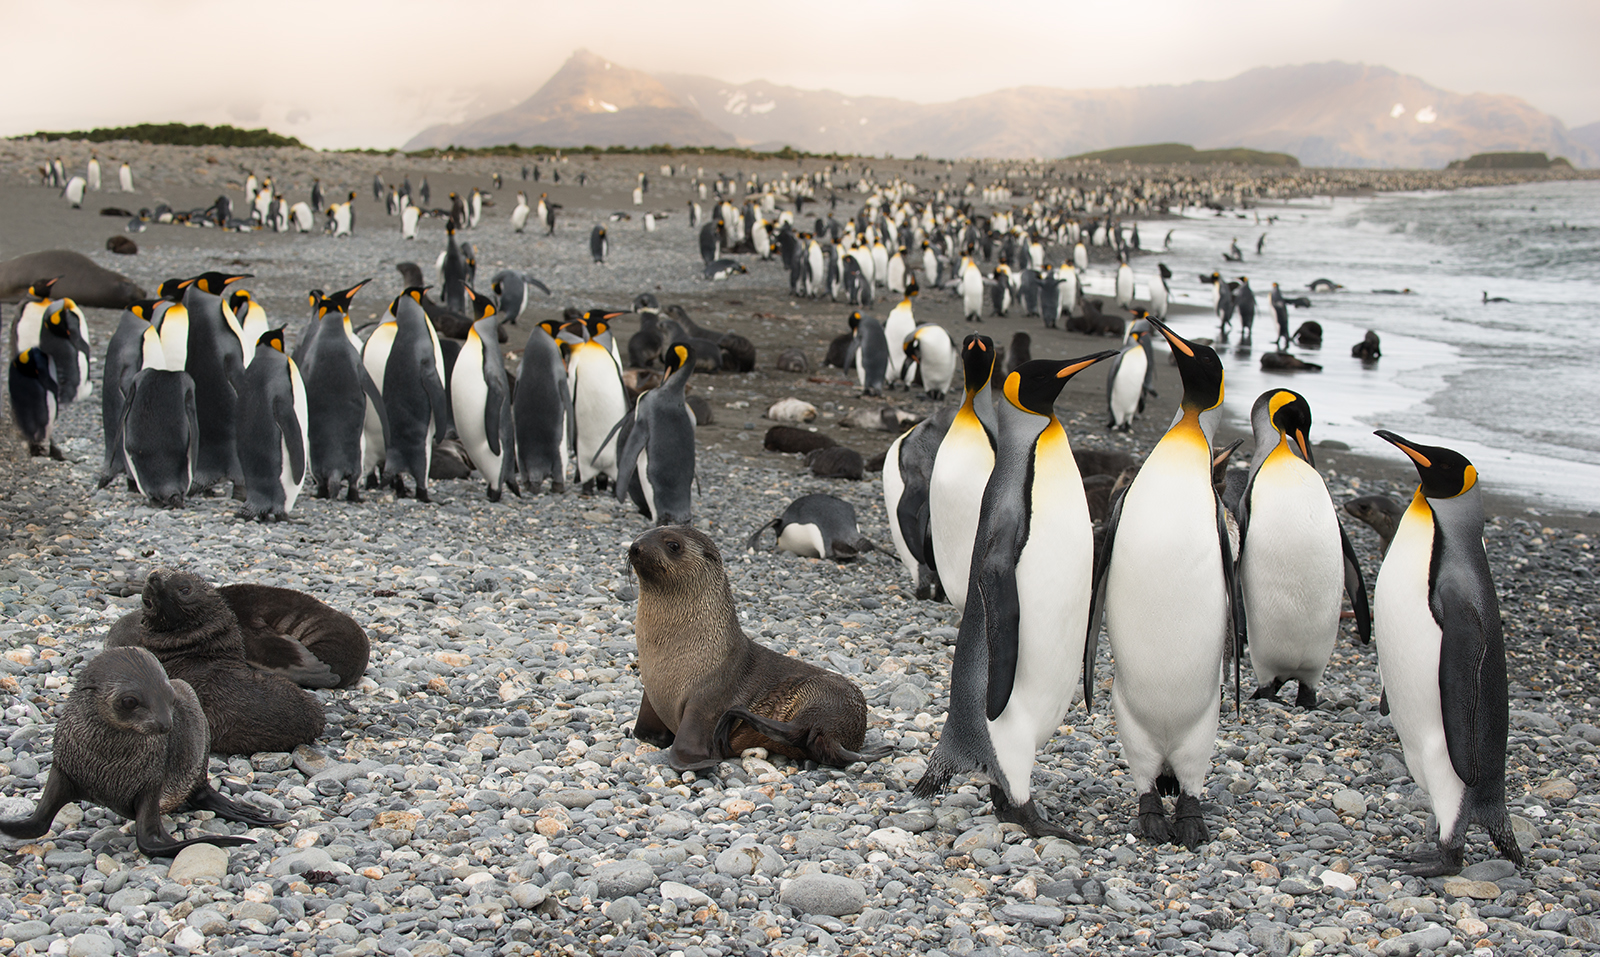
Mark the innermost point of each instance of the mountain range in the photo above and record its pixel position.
(1326, 114)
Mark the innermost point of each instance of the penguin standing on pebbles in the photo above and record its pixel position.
(480, 397)
(599, 245)
(1165, 577)
(1294, 557)
(405, 351)
(961, 470)
(1442, 655)
(1021, 650)
(599, 400)
(868, 352)
(542, 411)
(657, 459)
(274, 442)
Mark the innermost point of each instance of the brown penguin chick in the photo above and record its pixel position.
(787, 438)
(710, 692)
(190, 628)
(136, 743)
(295, 635)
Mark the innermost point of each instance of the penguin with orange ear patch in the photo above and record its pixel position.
(1436, 621)
(274, 438)
(480, 397)
(656, 465)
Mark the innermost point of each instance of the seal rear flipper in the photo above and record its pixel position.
(284, 656)
(152, 837)
(817, 744)
(59, 791)
(208, 798)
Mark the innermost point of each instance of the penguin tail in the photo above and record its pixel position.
(755, 537)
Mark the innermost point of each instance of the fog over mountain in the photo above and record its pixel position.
(1327, 114)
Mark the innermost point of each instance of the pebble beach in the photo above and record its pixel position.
(480, 793)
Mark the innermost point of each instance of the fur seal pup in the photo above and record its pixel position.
(787, 438)
(1380, 512)
(191, 628)
(77, 278)
(836, 462)
(290, 633)
(133, 741)
(709, 691)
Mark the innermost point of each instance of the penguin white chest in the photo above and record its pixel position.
(291, 485)
(955, 499)
(1128, 385)
(803, 539)
(1409, 641)
(1291, 571)
(468, 395)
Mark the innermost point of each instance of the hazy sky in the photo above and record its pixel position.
(343, 73)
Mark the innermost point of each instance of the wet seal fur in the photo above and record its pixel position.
(188, 625)
(710, 692)
(136, 743)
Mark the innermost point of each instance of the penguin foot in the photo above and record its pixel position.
(1441, 863)
(400, 490)
(1153, 818)
(587, 489)
(1027, 815)
(1306, 697)
(422, 495)
(354, 493)
(132, 485)
(494, 495)
(1188, 824)
(238, 491)
(1268, 692)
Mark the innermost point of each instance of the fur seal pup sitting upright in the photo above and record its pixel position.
(136, 743)
(710, 692)
(191, 629)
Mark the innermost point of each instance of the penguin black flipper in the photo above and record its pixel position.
(999, 606)
(438, 400)
(289, 427)
(1097, 598)
(755, 536)
(632, 444)
(495, 405)
(1471, 668)
(1354, 585)
(1236, 624)
(191, 412)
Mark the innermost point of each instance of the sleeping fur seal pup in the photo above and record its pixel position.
(709, 691)
(133, 741)
(191, 629)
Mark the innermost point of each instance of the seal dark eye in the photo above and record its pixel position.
(674, 547)
(128, 702)
(183, 589)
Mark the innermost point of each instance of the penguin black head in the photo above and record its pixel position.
(1035, 385)
(911, 287)
(977, 360)
(238, 299)
(1198, 366)
(855, 321)
(1290, 414)
(1445, 473)
(597, 321)
(144, 308)
(273, 338)
(1165, 272)
(41, 289)
(58, 325)
(215, 282)
(675, 357)
(172, 289)
(551, 327)
(482, 306)
(339, 301)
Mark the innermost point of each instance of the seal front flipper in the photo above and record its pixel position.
(649, 727)
(208, 798)
(152, 837)
(59, 791)
(694, 744)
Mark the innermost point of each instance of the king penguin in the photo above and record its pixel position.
(542, 411)
(405, 351)
(896, 329)
(160, 424)
(598, 403)
(342, 394)
(1294, 557)
(1165, 578)
(868, 353)
(274, 443)
(658, 447)
(480, 399)
(930, 350)
(65, 340)
(1442, 655)
(35, 400)
(1125, 284)
(124, 355)
(1020, 652)
(599, 245)
(1130, 379)
(215, 363)
(961, 470)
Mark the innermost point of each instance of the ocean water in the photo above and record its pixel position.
(1514, 386)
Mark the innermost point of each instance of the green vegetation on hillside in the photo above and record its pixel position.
(1158, 153)
(178, 134)
(659, 149)
(1510, 161)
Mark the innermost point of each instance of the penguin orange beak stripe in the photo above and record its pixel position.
(1400, 444)
(1077, 367)
(1300, 436)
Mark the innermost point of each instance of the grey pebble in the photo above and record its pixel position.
(829, 894)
